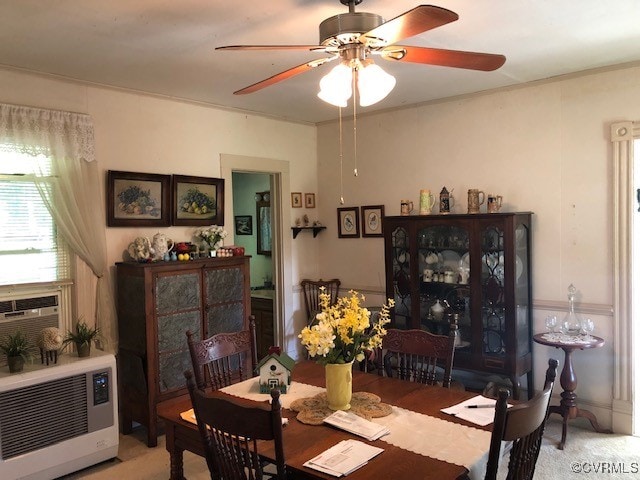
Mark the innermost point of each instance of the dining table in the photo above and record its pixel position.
(424, 442)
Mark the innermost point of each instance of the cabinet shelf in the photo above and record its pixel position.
(316, 230)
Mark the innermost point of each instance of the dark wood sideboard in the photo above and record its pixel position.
(157, 303)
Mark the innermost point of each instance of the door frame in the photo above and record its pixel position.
(282, 245)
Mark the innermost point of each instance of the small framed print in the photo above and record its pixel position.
(372, 220)
(310, 200)
(244, 225)
(197, 201)
(296, 199)
(348, 223)
(138, 199)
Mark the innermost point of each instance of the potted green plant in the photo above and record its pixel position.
(16, 348)
(82, 336)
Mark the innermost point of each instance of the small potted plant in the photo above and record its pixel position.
(82, 336)
(16, 348)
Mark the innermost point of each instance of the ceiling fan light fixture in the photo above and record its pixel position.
(374, 84)
(335, 87)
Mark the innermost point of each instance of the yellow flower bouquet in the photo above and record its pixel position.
(342, 332)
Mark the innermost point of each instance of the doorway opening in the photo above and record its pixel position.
(253, 230)
(277, 172)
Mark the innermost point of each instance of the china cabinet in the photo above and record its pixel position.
(472, 270)
(157, 304)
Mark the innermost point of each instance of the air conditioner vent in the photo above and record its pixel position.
(6, 306)
(41, 415)
(36, 302)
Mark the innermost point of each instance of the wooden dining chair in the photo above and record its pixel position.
(523, 424)
(230, 428)
(311, 292)
(224, 358)
(418, 356)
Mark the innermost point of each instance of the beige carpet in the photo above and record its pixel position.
(587, 454)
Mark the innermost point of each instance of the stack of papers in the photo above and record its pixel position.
(479, 410)
(352, 423)
(344, 458)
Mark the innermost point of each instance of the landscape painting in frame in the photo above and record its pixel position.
(138, 199)
(197, 201)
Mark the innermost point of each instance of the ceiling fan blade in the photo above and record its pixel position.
(279, 77)
(410, 23)
(272, 47)
(446, 58)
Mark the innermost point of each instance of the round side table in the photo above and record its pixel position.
(568, 407)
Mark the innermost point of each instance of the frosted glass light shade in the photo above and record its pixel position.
(335, 87)
(374, 84)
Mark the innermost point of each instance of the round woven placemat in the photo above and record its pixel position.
(313, 410)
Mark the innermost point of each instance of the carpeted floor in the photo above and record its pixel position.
(586, 454)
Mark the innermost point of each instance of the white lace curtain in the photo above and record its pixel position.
(74, 201)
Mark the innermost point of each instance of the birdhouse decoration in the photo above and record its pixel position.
(275, 372)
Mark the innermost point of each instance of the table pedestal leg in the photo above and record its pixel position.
(568, 407)
(176, 462)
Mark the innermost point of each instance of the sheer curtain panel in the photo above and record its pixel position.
(73, 195)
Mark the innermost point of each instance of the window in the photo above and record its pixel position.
(30, 249)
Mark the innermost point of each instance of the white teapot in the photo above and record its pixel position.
(161, 246)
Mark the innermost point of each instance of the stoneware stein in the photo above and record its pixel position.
(494, 203)
(446, 200)
(406, 207)
(475, 199)
(426, 202)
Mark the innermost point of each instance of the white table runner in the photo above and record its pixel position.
(416, 432)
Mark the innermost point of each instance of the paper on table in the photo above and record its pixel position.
(352, 423)
(479, 416)
(343, 458)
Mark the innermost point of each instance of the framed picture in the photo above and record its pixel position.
(197, 201)
(310, 200)
(372, 220)
(138, 199)
(348, 223)
(296, 199)
(244, 225)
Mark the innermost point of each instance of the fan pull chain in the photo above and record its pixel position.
(355, 143)
(341, 182)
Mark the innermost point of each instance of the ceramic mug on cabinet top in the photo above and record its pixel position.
(406, 207)
(494, 203)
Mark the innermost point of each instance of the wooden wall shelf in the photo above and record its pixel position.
(316, 230)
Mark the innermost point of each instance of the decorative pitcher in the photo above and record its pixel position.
(426, 202)
(161, 245)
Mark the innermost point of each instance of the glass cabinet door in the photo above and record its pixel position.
(444, 266)
(400, 267)
(493, 291)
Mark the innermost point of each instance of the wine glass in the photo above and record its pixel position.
(550, 322)
(587, 327)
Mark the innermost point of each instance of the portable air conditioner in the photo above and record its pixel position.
(58, 419)
(28, 313)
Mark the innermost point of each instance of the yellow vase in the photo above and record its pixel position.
(338, 381)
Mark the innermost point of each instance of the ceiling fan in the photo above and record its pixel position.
(354, 37)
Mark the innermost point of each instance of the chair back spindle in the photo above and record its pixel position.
(418, 356)
(224, 358)
(523, 424)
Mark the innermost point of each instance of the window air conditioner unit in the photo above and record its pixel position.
(29, 314)
(58, 419)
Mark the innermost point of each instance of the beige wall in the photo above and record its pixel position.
(544, 147)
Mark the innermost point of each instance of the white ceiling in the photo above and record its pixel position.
(167, 46)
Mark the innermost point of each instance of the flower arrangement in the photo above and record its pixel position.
(212, 235)
(343, 331)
